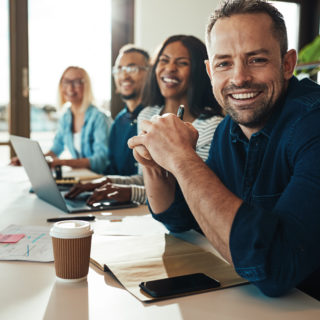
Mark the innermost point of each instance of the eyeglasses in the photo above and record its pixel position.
(74, 83)
(128, 69)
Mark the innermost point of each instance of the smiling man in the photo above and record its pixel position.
(129, 73)
(257, 198)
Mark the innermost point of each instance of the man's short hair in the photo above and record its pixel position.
(127, 48)
(232, 7)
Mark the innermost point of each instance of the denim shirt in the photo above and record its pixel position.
(121, 157)
(275, 236)
(94, 138)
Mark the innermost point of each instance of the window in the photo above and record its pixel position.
(291, 15)
(64, 33)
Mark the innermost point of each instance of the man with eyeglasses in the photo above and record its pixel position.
(129, 73)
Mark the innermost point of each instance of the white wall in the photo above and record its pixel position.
(155, 20)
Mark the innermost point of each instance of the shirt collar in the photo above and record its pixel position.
(236, 133)
(133, 115)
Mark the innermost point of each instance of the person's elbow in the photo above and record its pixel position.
(177, 228)
(273, 289)
(172, 225)
(273, 278)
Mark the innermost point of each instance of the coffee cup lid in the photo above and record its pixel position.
(70, 229)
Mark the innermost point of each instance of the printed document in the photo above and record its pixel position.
(35, 246)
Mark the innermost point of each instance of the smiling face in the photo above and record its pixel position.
(173, 71)
(72, 86)
(247, 73)
(130, 84)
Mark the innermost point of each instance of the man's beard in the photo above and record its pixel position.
(258, 116)
(262, 110)
(131, 96)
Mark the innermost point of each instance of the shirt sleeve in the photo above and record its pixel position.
(178, 217)
(279, 248)
(206, 129)
(138, 191)
(134, 179)
(58, 141)
(99, 160)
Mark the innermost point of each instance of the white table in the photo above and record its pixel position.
(29, 290)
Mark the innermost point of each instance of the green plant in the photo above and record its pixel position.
(309, 58)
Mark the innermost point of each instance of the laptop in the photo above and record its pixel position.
(44, 185)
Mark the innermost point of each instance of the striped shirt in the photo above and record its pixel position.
(206, 129)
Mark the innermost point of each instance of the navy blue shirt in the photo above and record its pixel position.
(275, 236)
(123, 128)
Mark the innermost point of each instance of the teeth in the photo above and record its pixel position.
(241, 96)
(170, 80)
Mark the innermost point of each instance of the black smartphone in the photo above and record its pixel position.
(178, 285)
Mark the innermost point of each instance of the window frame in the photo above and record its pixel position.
(309, 20)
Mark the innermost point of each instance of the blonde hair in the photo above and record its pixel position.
(87, 91)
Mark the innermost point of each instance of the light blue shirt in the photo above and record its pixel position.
(94, 138)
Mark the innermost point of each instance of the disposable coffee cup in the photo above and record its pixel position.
(71, 240)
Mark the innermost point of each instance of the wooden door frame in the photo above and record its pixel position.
(19, 111)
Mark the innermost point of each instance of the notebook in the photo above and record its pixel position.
(137, 259)
(44, 185)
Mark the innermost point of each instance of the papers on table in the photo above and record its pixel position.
(35, 246)
(128, 226)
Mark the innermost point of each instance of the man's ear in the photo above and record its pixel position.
(289, 63)
(207, 63)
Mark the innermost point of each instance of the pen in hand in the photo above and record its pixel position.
(180, 111)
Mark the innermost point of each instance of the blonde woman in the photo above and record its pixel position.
(82, 129)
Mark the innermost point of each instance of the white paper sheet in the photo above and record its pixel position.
(129, 226)
(35, 246)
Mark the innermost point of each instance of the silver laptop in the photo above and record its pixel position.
(44, 185)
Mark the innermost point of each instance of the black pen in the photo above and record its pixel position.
(180, 112)
(86, 218)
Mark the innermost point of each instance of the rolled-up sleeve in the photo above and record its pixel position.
(274, 251)
(178, 217)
